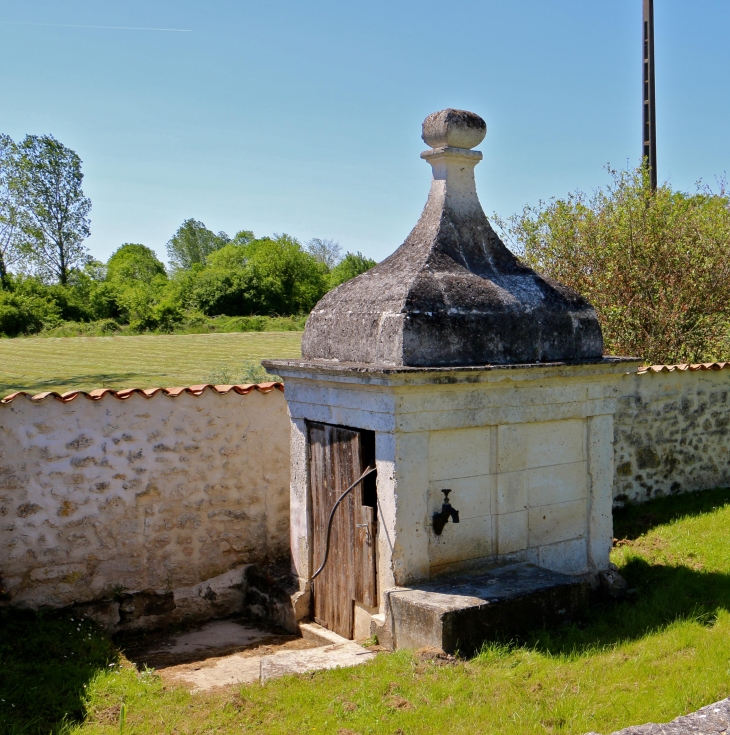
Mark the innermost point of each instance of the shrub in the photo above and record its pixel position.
(286, 279)
(654, 264)
(26, 313)
(104, 301)
(217, 291)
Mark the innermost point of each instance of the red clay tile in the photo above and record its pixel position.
(98, 393)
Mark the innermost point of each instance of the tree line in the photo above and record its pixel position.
(654, 263)
(47, 275)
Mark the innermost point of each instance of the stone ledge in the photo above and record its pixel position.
(461, 613)
(337, 367)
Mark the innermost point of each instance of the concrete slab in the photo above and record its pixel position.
(204, 642)
(235, 669)
(460, 613)
(320, 635)
(214, 635)
(340, 655)
(229, 652)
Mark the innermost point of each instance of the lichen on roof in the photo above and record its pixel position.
(452, 294)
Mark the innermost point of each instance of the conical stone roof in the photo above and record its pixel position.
(452, 294)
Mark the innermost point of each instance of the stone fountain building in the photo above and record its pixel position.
(449, 366)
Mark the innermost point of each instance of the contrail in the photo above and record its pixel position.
(113, 28)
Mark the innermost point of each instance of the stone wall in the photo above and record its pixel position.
(110, 494)
(671, 431)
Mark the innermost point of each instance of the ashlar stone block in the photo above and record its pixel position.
(512, 532)
(511, 495)
(459, 453)
(554, 442)
(565, 556)
(556, 484)
(549, 524)
(470, 539)
(511, 448)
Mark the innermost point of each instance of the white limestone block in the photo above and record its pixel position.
(558, 522)
(554, 442)
(471, 538)
(557, 484)
(511, 496)
(511, 448)
(570, 557)
(600, 468)
(459, 453)
(471, 496)
(512, 532)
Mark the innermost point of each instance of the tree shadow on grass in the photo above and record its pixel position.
(65, 383)
(660, 595)
(46, 660)
(634, 520)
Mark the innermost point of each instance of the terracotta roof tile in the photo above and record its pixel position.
(122, 395)
(683, 368)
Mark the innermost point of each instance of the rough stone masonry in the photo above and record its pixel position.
(132, 493)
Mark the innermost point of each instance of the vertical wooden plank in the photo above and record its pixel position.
(366, 529)
(365, 567)
(317, 466)
(344, 445)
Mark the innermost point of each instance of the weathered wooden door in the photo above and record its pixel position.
(338, 456)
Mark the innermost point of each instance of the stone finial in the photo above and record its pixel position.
(452, 294)
(453, 128)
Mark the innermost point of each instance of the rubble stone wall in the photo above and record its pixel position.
(671, 433)
(104, 498)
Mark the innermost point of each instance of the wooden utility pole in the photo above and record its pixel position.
(649, 107)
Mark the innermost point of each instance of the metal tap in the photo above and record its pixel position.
(447, 511)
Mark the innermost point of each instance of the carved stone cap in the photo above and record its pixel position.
(452, 294)
(453, 128)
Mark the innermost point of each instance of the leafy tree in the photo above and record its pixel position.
(132, 264)
(655, 265)
(193, 243)
(138, 286)
(9, 219)
(288, 279)
(219, 291)
(353, 264)
(328, 252)
(265, 276)
(52, 209)
(229, 257)
(243, 237)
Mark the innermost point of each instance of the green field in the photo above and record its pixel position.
(83, 363)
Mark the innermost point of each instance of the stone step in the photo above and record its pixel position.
(460, 613)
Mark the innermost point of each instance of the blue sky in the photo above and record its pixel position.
(304, 117)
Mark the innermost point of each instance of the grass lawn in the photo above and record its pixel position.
(37, 364)
(663, 652)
